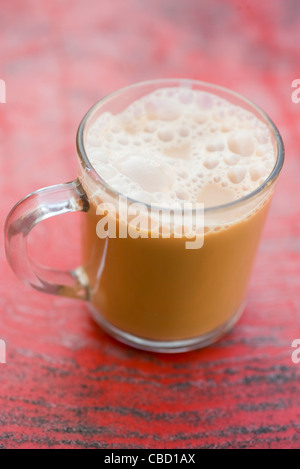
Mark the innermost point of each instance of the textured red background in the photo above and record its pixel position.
(66, 384)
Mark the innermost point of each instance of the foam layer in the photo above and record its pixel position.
(179, 145)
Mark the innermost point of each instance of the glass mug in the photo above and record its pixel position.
(149, 293)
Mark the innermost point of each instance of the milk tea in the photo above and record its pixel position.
(168, 148)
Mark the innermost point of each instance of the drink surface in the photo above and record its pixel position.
(178, 145)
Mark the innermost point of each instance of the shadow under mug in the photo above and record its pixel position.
(149, 293)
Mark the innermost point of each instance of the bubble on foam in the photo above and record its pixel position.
(109, 137)
(257, 171)
(150, 127)
(261, 136)
(215, 146)
(106, 172)
(178, 151)
(260, 150)
(241, 142)
(179, 145)
(150, 176)
(142, 196)
(99, 155)
(147, 138)
(166, 135)
(237, 174)
(182, 195)
(137, 111)
(268, 159)
(165, 109)
(204, 100)
(182, 173)
(103, 121)
(116, 129)
(200, 117)
(128, 123)
(211, 162)
(186, 96)
(183, 132)
(219, 115)
(123, 140)
(226, 126)
(93, 140)
(231, 159)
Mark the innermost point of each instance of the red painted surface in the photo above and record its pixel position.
(66, 384)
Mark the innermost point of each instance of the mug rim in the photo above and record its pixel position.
(271, 178)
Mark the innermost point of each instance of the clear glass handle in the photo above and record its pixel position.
(30, 211)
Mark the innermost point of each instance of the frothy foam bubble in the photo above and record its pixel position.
(181, 145)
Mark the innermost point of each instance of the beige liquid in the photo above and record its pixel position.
(156, 288)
